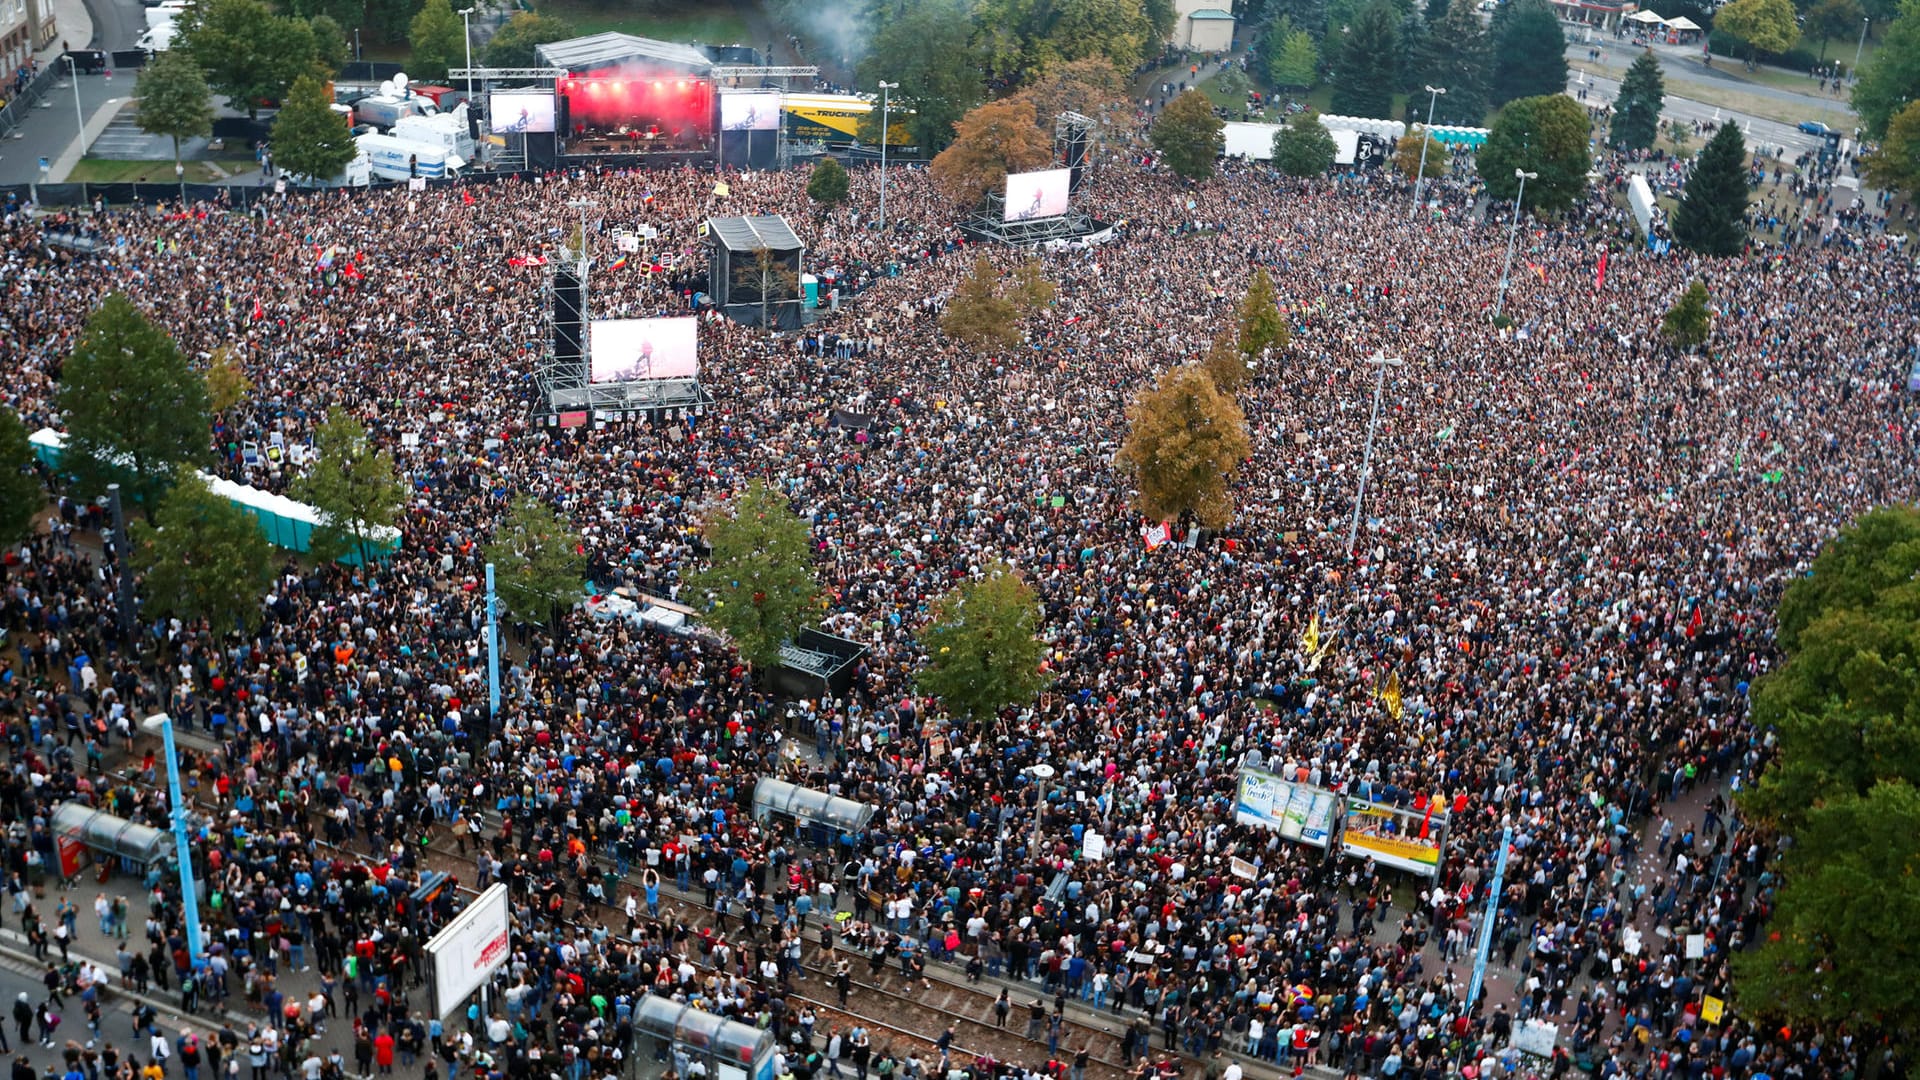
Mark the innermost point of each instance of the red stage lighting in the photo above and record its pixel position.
(593, 87)
(683, 85)
(656, 84)
(619, 87)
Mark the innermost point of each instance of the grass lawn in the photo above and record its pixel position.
(1839, 114)
(718, 23)
(105, 171)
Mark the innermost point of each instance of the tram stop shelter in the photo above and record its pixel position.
(79, 828)
(820, 816)
(729, 1049)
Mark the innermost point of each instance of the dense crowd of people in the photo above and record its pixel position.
(1572, 541)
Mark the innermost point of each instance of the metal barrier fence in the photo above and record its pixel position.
(21, 104)
(235, 196)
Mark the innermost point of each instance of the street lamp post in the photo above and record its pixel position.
(1420, 178)
(884, 87)
(1513, 234)
(182, 845)
(466, 23)
(356, 45)
(1381, 362)
(1853, 73)
(79, 118)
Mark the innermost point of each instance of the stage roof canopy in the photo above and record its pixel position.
(614, 49)
(753, 233)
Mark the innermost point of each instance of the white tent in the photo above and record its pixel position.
(1645, 17)
(1683, 23)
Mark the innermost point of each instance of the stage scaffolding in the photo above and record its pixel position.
(987, 224)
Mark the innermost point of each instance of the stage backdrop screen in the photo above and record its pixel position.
(629, 350)
(516, 112)
(1036, 195)
(759, 111)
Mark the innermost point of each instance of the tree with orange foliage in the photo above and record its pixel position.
(992, 140)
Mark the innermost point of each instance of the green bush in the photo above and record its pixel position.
(1799, 58)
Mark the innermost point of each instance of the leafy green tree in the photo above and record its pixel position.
(1840, 948)
(203, 557)
(539, 570)
(1768, 26)
(136, 412)
(1189, 136)
(1636, 113)
(1295, 65)
(1225, 364)
(983, 647)
(1455, 54)
(309, 139)
(1842, 709)
(761, 579)
(1688, 322)
(354, 487)
(1407, 156)
(249, 54)
(1261, 326)
(929, 52)
(1892, 78)
(438, 39)
(21, 494)
(978, 314)
(828, 184)
(1185, 440)
(990, 141)
(1309, 16)
(174, 99)
(1896, 164)
(513, 44)
(1162, 20)
(1545, 135)
(1529, 52)
(1366, 63)
(227, 384)
(1118, 30)
(330, 48)
(1830, 19)
(1712, 218)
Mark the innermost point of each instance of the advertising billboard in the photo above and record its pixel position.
(518, 112)
(466, 953)
(1037, 195)
(629, 350)
(1299, 812)
(1407, 839)
(757, 110)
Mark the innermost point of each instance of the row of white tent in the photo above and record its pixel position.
(1648, 18)
(1255, 141)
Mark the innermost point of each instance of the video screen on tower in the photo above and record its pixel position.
(517, 112)
(757, 111)
(629, 350)
(1036, 195)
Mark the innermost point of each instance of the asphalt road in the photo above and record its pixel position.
(1602, 90)
(117, 24)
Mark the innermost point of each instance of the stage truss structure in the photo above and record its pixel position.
(987, 224)
(567, 386)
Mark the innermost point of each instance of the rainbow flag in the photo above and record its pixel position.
(619, 263)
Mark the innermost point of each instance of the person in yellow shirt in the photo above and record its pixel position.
(153, 1071)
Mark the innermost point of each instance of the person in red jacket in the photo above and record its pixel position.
(383, 1052)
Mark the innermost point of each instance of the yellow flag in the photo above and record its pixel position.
(1390, 695)
(1310, 641)
(722, 188)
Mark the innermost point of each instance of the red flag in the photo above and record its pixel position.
(1693, 627)
(466, 196)
(353, 272)
(258, 311)
(1600, 279)
(1426, 823)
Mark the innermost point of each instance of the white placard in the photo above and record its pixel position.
(1696, 946)
(1094, 846)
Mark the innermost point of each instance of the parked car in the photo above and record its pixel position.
(1814, 127)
